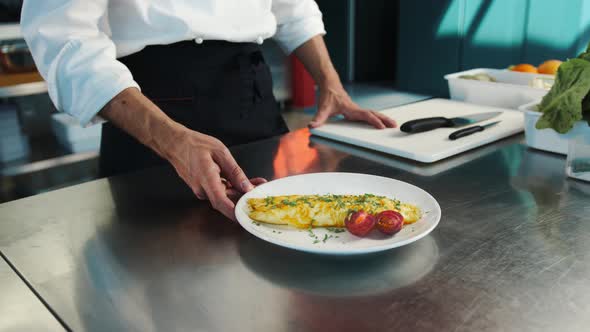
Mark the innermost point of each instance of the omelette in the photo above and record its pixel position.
(305, 211)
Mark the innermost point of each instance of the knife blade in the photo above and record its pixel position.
(471, 130)
(426, 124)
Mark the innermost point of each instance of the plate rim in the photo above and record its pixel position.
(353, 251)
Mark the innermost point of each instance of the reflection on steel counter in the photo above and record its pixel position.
(354, 276)
(297, 155)
(20, 309)
(139, 252)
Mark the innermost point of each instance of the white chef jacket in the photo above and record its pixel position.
(76, 43)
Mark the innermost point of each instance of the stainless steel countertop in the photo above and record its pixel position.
(138, 252)
(20, 309)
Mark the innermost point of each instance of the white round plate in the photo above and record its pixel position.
(326, 241)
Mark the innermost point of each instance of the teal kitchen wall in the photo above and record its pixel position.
(441, 37)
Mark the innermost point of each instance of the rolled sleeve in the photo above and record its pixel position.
(297, 22)
(75, 57)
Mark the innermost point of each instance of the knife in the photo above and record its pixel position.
(426, 124)
(470, 130)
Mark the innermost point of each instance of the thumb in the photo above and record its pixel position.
(320, 118)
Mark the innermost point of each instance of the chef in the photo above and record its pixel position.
(179, 80)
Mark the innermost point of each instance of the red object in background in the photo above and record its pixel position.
(302, 85)
(295, 156)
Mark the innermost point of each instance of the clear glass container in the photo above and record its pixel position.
(578, 157)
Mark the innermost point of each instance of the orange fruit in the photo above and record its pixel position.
(524, 67)
(549, 67)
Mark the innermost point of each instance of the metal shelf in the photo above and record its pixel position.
(10, 31)
(49, 166)
(24, 89)
(46, 153)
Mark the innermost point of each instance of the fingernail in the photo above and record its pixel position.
(246, 185)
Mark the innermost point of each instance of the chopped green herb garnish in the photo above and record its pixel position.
(269, 200)
(304, 200)
(326, 237)
(287, 202)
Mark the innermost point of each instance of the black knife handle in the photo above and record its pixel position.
(465, 132)
(426, 124)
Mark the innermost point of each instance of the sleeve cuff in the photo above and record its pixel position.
(85, 76)
(291, 35)
(88, 116)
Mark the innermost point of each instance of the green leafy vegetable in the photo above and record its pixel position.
(586, 108)
(562, 106)
(585, 55)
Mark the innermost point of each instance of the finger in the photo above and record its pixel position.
(233, 194)
(387, 121)
(200, 193)
(372, 119)
(215, 190)
(226, 183)
(233, 172)
(258, 181)
(319, 119)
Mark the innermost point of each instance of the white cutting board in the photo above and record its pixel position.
(428, 146)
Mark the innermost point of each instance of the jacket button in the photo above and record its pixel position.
(199, 40)
(259, 40)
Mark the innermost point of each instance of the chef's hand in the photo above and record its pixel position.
(334, 100)
(209, 169)
(202, 161)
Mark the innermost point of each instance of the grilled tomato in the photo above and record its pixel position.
(359, 223)
(389, 222)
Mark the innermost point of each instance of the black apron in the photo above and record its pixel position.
(218, 88)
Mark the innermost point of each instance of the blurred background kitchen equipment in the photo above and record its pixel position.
(13, 144)
(15, 57)
(508, 89)
(73, 137)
